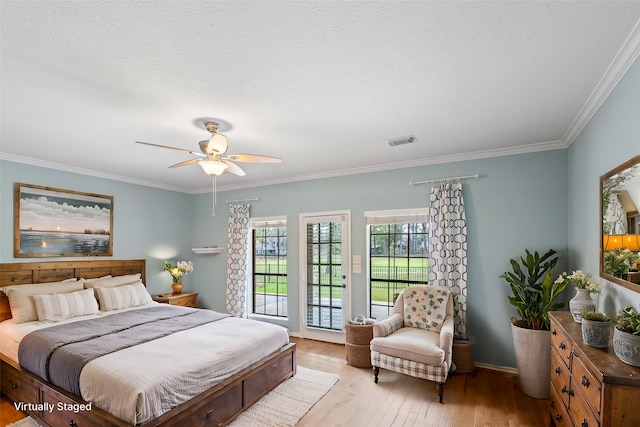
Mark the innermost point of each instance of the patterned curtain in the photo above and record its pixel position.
(448, 247)
(237, 258)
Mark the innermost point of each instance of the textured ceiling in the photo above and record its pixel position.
(320, 84)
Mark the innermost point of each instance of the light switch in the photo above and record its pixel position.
(357, 268)
(357, 259)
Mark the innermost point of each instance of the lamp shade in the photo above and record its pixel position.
(617, 241)
(213, 167)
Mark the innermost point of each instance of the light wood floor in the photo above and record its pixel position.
(482, 398)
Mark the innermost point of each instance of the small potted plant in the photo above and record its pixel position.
(596, 328)
(626, 336)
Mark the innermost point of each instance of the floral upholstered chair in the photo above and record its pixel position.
(417, 338)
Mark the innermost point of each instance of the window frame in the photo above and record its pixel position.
(259, 223)
(390, 217)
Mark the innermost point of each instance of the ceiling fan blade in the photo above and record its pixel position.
(233, 168)
(173, 148)
(185, 163)
(254, 158)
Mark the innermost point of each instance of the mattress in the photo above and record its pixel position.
(140, 383)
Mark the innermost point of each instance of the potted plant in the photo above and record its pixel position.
(596, 328)
(534, 296)
(177, 273)
(584, 288)
(626, 336)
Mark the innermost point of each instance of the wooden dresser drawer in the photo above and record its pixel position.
(560, 376)
(16, 388)
(579, 410)
(562, 344)
(587, 383)
(557, 410)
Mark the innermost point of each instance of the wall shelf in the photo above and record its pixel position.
(215, 250)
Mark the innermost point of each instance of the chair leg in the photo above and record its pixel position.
(376, 371)
(440, 390)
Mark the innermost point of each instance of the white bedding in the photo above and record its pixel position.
(140, 383)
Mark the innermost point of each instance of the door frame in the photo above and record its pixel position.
(310, 332)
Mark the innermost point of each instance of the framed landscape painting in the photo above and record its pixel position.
(50, 222)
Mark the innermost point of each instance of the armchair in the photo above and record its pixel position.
(417, 338)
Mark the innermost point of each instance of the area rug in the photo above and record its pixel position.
(282, 407)
(25, 422)
(290, 401)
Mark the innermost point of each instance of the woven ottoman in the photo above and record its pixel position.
(357, 342)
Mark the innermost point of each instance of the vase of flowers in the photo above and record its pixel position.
(584, 288)
(618, 261)
(177, 273)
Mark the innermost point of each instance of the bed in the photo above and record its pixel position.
(201, 391)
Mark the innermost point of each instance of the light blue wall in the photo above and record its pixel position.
(519, 202)
(611, 138)
(148, 223)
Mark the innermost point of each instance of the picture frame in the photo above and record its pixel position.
(52, 222)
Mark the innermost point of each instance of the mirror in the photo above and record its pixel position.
(620, 225)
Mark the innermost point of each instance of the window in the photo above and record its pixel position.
(269, 266)
(398, 255)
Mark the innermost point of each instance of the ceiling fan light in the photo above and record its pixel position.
(213, 167)
(218, 142)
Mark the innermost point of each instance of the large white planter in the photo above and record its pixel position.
(533, 358)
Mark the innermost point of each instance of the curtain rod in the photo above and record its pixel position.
(444, 179)
(242, 200)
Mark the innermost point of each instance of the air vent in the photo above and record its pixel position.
(401, 141)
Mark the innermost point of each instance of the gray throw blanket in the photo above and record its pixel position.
(58, 354)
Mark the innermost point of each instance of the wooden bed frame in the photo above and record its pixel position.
(216, 406)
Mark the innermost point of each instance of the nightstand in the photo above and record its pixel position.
(185, 299)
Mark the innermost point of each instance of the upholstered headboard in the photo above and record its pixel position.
(22, 273)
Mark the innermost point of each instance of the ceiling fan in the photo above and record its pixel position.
(213, 159)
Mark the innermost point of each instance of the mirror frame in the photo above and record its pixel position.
(629, 285)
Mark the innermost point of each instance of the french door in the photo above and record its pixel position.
(325, 279)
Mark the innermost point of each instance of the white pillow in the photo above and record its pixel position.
(109, 282)
(23, 307)
(126, 296)
(97, 278)
(57, 307)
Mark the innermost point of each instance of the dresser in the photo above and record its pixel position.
(185, 299)
(590, 387)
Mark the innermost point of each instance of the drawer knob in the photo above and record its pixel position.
(14, 386)
(553, 404)
(558, 370)
(553, 332)
(585, 381)
(584, 423)
(72, 424)
(558, 417)
(562, 345)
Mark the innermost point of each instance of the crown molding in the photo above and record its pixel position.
(509, 151)
(624, 59)
(88, 172)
